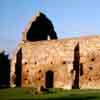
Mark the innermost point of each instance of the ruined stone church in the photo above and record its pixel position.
(43, 60)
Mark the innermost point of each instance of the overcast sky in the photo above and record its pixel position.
(71, 18)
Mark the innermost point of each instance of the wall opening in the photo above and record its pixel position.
(40, 29)
(89, 79)
(18, 68)
(90, 68)
(81, 69)
(49, 79)
(64, 62)
(76, 66)
(35, 62)
(27, 71)
(92, 59)
(39, 71)
(51, 62)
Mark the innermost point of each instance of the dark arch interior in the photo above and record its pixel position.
(49, 79)
(40, 29)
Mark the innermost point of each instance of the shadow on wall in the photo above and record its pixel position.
(40, 29)
(18, 68)
(4, 70)
(76, 66)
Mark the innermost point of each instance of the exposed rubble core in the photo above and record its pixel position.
(66, 63)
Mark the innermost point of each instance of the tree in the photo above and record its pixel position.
(4, 70)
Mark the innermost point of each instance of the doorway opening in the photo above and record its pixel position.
(49, 79)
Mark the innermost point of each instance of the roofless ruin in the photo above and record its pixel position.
(42, 60)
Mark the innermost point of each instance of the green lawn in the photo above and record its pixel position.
(28, 94)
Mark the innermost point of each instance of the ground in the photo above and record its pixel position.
(27, 94)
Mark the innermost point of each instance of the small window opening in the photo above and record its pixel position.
(27, 71)
(40, 71)
(25, 78)
(92, 59)
(89, 79)
(51, 62)
(35, 63)
(25, 63)
(90, 68)
(64, 62)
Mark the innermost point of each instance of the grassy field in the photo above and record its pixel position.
(28, 94)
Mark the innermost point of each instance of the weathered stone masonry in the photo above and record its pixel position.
(90, 62)
(66, 63)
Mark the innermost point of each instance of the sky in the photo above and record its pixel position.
(71, 18)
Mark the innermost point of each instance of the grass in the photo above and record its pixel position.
(29, 94)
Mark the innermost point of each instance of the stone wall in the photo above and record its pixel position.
(74, 63)
(41, 57)
(90, 62)
(39, 28)
(36, 76)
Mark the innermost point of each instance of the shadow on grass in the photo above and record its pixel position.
(64, 98)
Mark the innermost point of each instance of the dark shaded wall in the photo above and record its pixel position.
(76, 64)
(18, 68)
(4, 70)
(40, 29)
